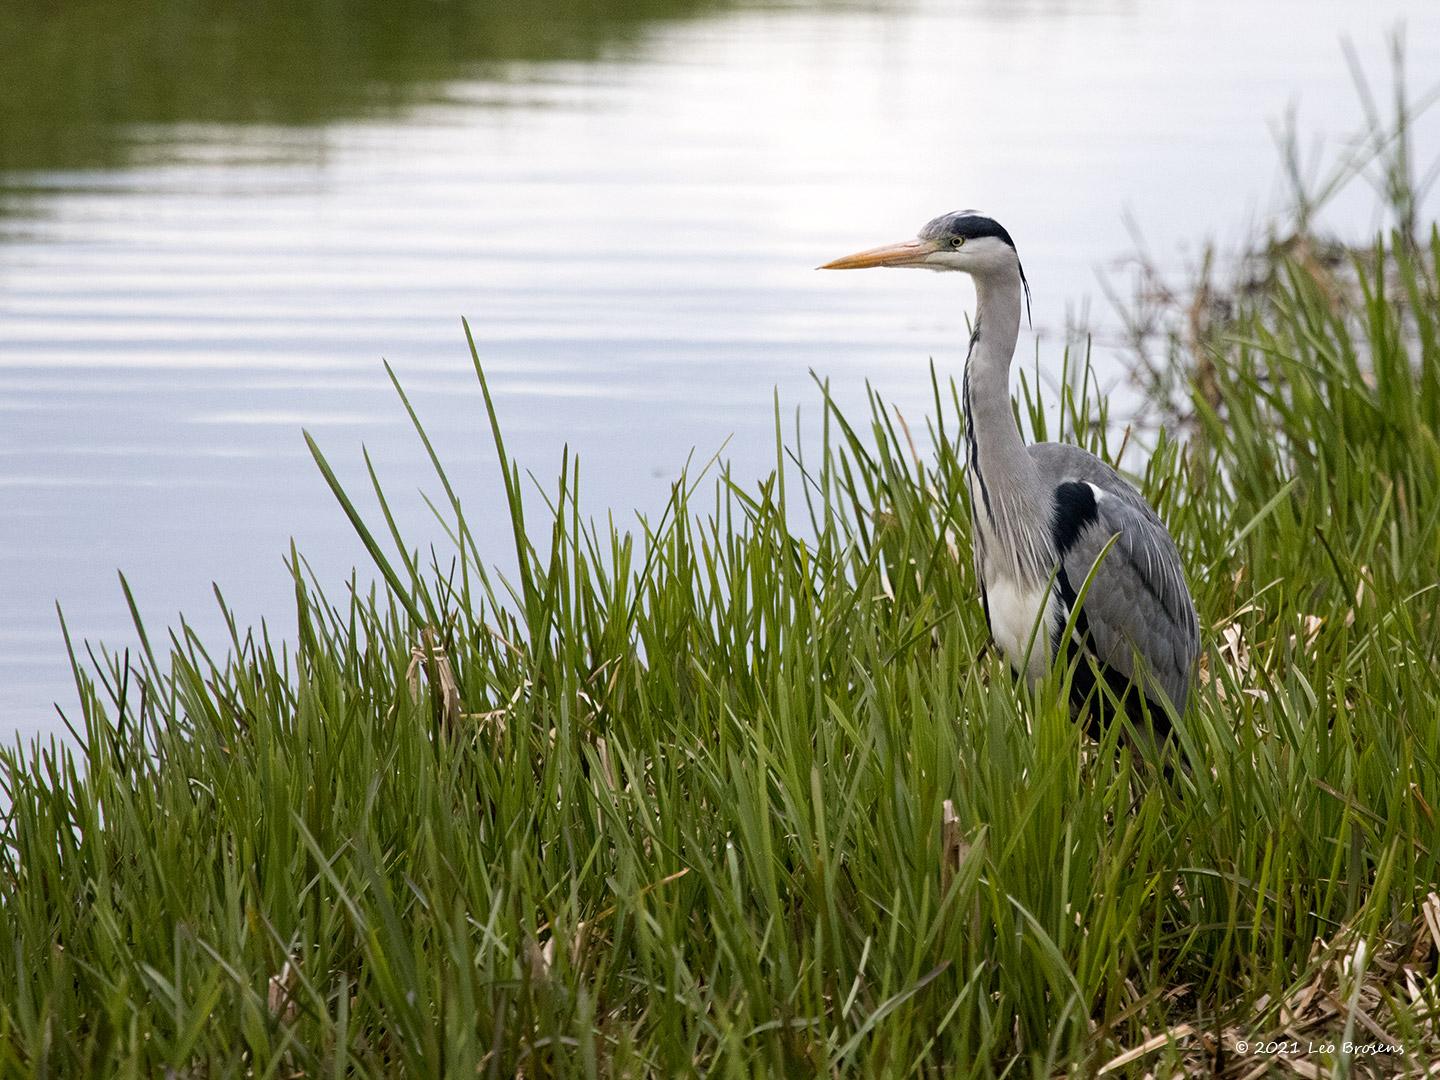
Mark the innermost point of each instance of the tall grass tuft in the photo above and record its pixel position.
(735, 791)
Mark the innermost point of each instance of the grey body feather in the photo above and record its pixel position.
(1137, 605)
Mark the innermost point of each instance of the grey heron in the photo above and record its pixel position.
(1043, 514)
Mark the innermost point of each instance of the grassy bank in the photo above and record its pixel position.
(732, 793)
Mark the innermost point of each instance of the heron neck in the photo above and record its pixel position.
(988, 415)
(1008, 502)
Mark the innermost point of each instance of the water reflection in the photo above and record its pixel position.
(232, 213)
(100, 83)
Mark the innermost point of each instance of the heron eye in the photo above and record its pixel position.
(957, 241)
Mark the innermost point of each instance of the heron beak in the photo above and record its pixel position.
(905, 253)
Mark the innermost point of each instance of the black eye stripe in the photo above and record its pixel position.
(967, 225)
(970, 225)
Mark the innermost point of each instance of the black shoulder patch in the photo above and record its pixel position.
(1074, 510)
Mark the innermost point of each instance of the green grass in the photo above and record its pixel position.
(673, 800)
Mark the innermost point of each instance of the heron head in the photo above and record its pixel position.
(965, 240)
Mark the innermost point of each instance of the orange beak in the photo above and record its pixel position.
(906, 253)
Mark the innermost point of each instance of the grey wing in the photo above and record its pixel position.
(1138, 603)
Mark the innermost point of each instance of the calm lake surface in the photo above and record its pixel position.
(216, 220)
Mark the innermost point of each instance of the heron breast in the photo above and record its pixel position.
(1016, 611)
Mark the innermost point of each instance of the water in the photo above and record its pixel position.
(215, 221)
